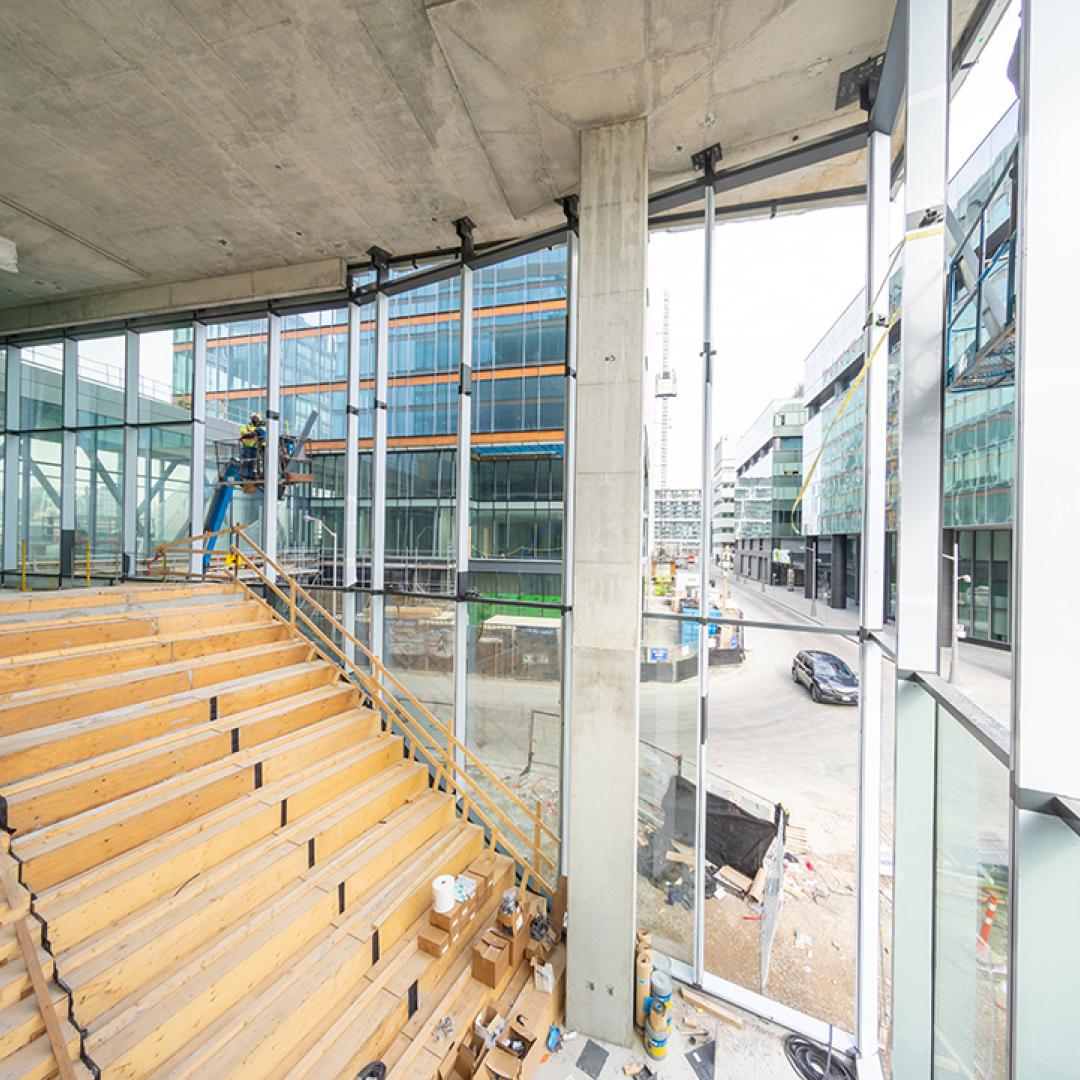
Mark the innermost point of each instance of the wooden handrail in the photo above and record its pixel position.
(446, 765)
(441, 759)
(383, 670)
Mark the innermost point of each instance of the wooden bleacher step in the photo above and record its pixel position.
(72, 743)
(230, 860)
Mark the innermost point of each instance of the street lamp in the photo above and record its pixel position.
(954, 558)
(323, 527)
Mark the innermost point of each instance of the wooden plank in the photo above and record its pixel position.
(707, 1005)
(36, 1060)
(149, 946)
(33, 708)
(42, 995)
(73, 788)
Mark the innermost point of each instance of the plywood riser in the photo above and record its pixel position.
(88, 632)
(62, 793)
(29, 709)
(99, 982)
(123, 657)
(78, 909)
(134, 1043)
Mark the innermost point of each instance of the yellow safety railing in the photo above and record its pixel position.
(454, 765)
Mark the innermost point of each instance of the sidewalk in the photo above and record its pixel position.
(983, 673)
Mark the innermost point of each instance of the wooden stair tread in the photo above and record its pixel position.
(45, 637)
(35, 1060)
(185, 920)
(62, 666)
(227, 691)
(57, 852)
(44, 706)
(184, 856)
(80, 599)
(43, 798)
(177, 1008)
(296, 1006)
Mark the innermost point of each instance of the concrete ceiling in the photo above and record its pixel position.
(157, 141)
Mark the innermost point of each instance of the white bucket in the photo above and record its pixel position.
(442, 894)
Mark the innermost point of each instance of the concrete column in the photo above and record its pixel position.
(608, 483)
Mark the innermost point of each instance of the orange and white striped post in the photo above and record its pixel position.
(988, 922)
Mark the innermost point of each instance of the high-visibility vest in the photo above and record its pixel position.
(248, 435)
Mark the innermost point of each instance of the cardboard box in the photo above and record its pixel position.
(488, 1026)
(509, 924)
(448, 921)
(499, 1064)
(537, 951)
(491, 958)
(520, 1039)
(483, 869)
(518, 942)
(434, 941)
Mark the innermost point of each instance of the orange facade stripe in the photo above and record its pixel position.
(401, 320)
(433, 442)
(485, 375)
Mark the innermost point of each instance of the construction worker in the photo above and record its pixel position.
(250, 442)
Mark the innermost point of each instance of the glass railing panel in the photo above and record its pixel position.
(971, 906)
(513, 723)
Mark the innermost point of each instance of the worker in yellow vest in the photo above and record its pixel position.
(250, 438)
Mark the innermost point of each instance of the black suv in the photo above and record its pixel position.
(827, 677)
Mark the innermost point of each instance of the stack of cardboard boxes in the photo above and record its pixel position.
(508, 1047)
(471, 889)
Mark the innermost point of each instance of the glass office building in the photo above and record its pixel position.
(978, 461)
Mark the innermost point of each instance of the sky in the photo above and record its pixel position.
(780, 285)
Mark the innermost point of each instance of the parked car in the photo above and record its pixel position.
(827, 677)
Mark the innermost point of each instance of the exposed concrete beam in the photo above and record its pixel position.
(275, 282)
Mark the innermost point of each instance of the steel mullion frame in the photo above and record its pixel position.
(380, 420)
(12, 443)
(352, 476)
(68, 449)
(271, 456)
(129, 464)
(569, 461)
(704, 567)
(198, 440)
(872, 608)
(461, 521)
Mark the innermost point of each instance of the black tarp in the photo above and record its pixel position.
(733, 837)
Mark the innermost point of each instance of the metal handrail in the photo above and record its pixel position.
(443, 759)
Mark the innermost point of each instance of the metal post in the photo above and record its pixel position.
(379, 461)
(352, 476)
(464, 472)
(12, 443)
(198, 440)
(569, 451)
(872, 607)
(919, 533)
(130, 461)
(1044, 949)
(705, 160)
(68, 449)
(271, 459)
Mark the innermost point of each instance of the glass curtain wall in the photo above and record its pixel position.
(116, 409)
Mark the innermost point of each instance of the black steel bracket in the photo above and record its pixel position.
(464, 227)
(569, 204)
(465, 380)
(380, 259)
(706, 161)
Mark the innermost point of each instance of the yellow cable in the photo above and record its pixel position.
(855, 384)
